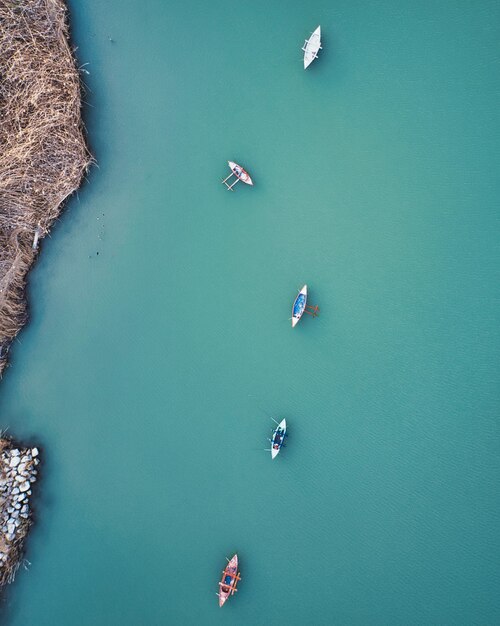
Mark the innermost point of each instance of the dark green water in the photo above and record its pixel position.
(149, 371)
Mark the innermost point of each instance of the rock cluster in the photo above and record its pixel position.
(18, 472)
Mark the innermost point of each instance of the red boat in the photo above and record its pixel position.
(229, 580)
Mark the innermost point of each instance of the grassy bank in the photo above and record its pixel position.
(43, 154)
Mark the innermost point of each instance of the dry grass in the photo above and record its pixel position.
(43, 154)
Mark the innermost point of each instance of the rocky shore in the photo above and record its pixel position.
(18, 473)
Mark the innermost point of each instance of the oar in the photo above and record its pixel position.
(265, 412)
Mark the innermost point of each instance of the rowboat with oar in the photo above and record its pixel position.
(299, 305)
(229, 580)
(278, 438)
(311, 47)
(239, 173)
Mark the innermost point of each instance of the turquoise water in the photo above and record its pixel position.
(150, 371)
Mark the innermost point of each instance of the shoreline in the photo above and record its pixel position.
(43, 151)
(43, 159)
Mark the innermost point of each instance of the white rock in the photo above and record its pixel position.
(11, 528)
(14, 461)
(14, 452)
(17, 523)
(10, 509)
(25, 487)
(34, 451)
(25, 515)
(20, 478)
(15, 490)
(24, 508)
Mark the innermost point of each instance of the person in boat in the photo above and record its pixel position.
(226, 587)
(237, 171)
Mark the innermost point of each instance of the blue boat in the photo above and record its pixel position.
(299, 305)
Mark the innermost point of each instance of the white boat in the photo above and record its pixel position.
(278, 439)
(239, 174)
(311, 47)
(299, 305)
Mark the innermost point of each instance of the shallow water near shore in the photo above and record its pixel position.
(160, 343)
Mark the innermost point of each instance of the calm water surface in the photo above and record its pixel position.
(160, 344)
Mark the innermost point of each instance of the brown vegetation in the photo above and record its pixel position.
(43, 155)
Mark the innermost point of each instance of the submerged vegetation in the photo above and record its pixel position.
(43, 154)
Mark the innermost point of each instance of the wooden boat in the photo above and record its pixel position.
(278, 438)
(299, 305)
(239, 173)
(311, 47)
(229, 580)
